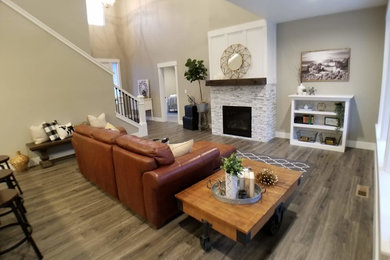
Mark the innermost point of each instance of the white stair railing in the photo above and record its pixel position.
(131, 109)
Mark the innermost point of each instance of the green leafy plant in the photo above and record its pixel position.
(339, 109)
(196, 71)
(232, 165)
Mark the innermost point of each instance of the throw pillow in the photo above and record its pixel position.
(111, 127)
(50, 129)
(181, 148)
(99, 121)
(38, 134)
(65, 131)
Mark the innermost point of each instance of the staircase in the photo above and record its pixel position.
(131, 109)
(128, 108)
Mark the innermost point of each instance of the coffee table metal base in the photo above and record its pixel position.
(272, 227)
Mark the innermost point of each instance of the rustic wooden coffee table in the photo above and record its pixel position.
(239, 222)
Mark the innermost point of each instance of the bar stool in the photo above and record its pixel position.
(9, 198)
(4, 160)
(8, 177)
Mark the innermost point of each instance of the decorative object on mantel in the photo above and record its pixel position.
(233, 167)
(196, 72)
(325, 65)
(20, 161)
(267, 177)
(235, 61)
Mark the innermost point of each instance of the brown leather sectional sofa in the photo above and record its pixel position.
(142, 174)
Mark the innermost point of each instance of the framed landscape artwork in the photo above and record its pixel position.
(143, 87)
(325, 65)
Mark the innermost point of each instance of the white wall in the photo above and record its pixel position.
(258, 37)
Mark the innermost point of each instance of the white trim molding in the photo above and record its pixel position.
(53, 33)
(350, 143)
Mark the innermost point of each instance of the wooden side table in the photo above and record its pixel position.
(149, 105)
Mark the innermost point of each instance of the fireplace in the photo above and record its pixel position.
(237, 120)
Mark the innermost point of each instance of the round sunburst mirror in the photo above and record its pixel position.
(235, 61)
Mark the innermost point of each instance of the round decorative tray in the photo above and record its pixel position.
(218, 196)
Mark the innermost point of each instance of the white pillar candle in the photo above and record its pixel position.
(242, 180)
(251, 184)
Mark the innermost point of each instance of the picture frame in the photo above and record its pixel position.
(325, 65)
(143, 87)
(331, 121)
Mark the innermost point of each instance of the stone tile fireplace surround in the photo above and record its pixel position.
(262, 100)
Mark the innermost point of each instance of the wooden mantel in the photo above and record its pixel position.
(237, 82)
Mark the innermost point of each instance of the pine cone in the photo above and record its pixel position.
(267, 177)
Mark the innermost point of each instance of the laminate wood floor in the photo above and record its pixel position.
(73, 219)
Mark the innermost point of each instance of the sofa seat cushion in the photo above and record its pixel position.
(159, 151)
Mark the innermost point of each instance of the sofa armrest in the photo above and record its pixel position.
(161, 184)
(122, 130)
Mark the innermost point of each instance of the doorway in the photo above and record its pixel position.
(169, 91)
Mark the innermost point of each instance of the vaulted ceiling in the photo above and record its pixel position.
(280, 11)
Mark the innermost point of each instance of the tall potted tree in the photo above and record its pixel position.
(196, 71)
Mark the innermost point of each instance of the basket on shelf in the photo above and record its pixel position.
(306, 135)
(330, 138)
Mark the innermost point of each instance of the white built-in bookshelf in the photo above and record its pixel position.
(314, 121)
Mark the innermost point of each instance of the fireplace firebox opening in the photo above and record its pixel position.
(237, 120)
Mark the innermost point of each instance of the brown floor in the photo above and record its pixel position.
(73, 219)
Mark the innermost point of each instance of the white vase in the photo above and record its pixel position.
(231, 182)
(301, 89)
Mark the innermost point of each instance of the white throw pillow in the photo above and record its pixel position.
(181, 148)
(111, 127)
(65, 131)
(38, 134)
(99, 121)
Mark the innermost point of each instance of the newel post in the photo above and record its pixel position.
(143, 129)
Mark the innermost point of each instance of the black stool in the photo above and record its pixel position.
(4, 160)
(8, 177)
(10, 199)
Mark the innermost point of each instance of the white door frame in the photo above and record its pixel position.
(105, 61)
(160, 67)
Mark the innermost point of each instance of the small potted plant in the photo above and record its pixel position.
(233, 167)
(196, 71)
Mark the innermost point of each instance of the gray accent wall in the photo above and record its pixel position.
(363, 32)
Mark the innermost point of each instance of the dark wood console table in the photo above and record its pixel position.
(42, 149)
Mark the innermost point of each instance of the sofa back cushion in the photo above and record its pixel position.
(105, 135)
(95, 162)
(159, 151)
(85, 130)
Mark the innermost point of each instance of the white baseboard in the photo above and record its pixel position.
(361, 145)
(157, 119)
(350, 143)
(283, 135)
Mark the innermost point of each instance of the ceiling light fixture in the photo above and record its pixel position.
(108, 3)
